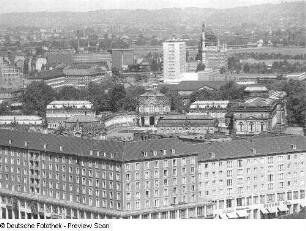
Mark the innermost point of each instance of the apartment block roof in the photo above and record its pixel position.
(62, 144)
(252, 147)
(152, 149)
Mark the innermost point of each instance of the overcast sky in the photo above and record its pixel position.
(88, 5)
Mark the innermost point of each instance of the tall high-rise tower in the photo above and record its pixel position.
(174, 54)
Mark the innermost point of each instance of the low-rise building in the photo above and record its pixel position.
(178, 124)
(27, 120)
(75, 76)
(58, 112)
(216, 109)
(259, 115)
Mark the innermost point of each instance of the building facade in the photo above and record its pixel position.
(10, 76)
(260, 115)
(58, 112)
(120, 120)
(216, 109)
(211, 53)
(174, 58)
(122, 58)
(9, 120)
(152, 106)
(75, 76)
(259, 178)
(180, 124)
(47, 176)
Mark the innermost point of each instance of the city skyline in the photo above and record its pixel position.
(9, 6)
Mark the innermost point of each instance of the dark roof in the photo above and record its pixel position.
(47, 74)
(71, 145)
(192, 120)
(134, 151)
(253, 147)
(197, 85)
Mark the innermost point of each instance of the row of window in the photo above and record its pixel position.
(241, 172)
(157, 193)
(56, 158)
(240, 189)
(261, 199)
(155, 203)
(157, 174)
(156, 163)
(249, 161)
(165, 182)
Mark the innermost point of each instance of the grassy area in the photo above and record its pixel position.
(281, 50)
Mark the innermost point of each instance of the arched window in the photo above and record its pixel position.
(262, 126)
(241, 126)
(251, 126)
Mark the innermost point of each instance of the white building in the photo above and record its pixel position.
(21, 120)
(174, 54)
(59, 111)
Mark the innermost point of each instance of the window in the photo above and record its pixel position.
(270, 177)
(127, 166)
(229, 164)
(240, 202)
(229, 203)
(229, 191)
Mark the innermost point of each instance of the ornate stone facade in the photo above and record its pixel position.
(152, 106)
(260, 115)
(179, 124)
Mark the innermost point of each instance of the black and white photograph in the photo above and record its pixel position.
(116, 111)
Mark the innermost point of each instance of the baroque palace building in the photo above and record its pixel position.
(152, 106)
(48, 176)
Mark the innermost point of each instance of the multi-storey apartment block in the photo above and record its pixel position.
(259, 178)
(48, 176)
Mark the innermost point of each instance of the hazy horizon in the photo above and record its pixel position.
(11, 6)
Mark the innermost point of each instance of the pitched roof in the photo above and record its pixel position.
(197, 85)
(70, 145)
(253, 147)
(144, 150)
(48, 74)
(164, 148)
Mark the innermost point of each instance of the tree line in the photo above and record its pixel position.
(107, 96)
(278, 67)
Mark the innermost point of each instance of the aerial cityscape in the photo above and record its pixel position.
(166, 113)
